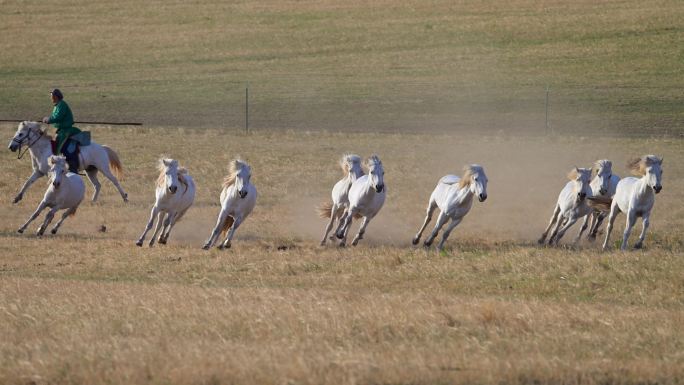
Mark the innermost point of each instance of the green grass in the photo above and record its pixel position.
(613, 67)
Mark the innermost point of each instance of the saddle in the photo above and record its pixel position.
(72, 149)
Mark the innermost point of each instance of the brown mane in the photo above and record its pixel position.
(234, 167)
(637, 166)
(466, 179)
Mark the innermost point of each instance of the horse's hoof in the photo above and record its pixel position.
(427, 244)
(162, 241)
(339, 235)
(415, 241)
(16, 199)
(139, 243)
(342, 245)
(322, 243)
(638, 246)
(205, 247)
(20, 231)
(53, 231)
(125, 198)
(227, 246)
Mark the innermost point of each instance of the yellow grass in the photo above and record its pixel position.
(89, 307)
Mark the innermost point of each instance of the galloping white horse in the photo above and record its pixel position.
(351, 165)
(366, 197)
(238, 199)
(603, 187)
(175, 194)
(454, 197)
(636, 196)
(66, 191)
(571, 205)
(92, 158)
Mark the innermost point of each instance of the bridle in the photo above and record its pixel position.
(28, 147)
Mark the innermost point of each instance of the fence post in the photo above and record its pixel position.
(546, 108)
(247, 108)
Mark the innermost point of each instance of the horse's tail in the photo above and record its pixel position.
(114, 162)
(599, 203)
(227, 224)
(324, 209)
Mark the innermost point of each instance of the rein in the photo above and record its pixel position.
(28, 146)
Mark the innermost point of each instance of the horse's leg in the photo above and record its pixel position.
(559, 223)
(167, 223)
(160, 220)
(554, 218)
(441, 220)
(35, 176)
(362, 230)
(645, 221)
(428, 217)
(631, 220)
(173, 222)
(92, 176)
(340, 223)
(585, 224)
(333, 216)
(236, 223)
(66, 213)
(454, 222)
(599, 217)
(46, 222)
(566, 225)
(150, 223)
(111, 177)
(614, 210)
(344, 229)
(33, 216)
(223, 215)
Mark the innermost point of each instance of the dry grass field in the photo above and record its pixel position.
(87, 307)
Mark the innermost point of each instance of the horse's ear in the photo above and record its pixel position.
(660, 160)
(166, 162)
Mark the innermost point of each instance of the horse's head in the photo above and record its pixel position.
(58, 167)
(351, 164)
(242, 173)
(22, 135)
(649, 167)
(603, 169)
(168, 174)
(376, 173)
(476, 178)
(581, 177)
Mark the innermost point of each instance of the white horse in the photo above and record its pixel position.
(366, 197)
(454, 197)
(175, 194)
(603, 187)
(351, 165)
(93, 158)
(65, 192)
(636, 196)
(238, 199)
(571, 205)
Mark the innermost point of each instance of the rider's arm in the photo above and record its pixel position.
(58, 114)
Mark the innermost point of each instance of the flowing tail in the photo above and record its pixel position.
(599, 203)
(325, 208)
(114, 162)
(227, 224)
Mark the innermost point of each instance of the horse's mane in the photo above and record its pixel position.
(575, 172)
(468, 172)
(347, 160)
(182, 171)
(37, 127)
(637, 166)
(373, 160)
(234, 167)
(603, 163)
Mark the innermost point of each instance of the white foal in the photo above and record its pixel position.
(175, 194)
(636, 196)
(65, 192)
(351, 165)
(366, 197)
(238, 199)
(454, 197)
(571, 205)
(603, 187)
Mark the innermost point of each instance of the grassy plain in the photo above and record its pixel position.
(90, 307)
(415, 66)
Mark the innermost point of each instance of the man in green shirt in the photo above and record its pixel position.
(63, 120)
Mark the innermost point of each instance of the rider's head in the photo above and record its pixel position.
(56, 95)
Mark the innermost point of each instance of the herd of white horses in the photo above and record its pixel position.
(590, 194)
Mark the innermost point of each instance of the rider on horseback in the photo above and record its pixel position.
(63, 120)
